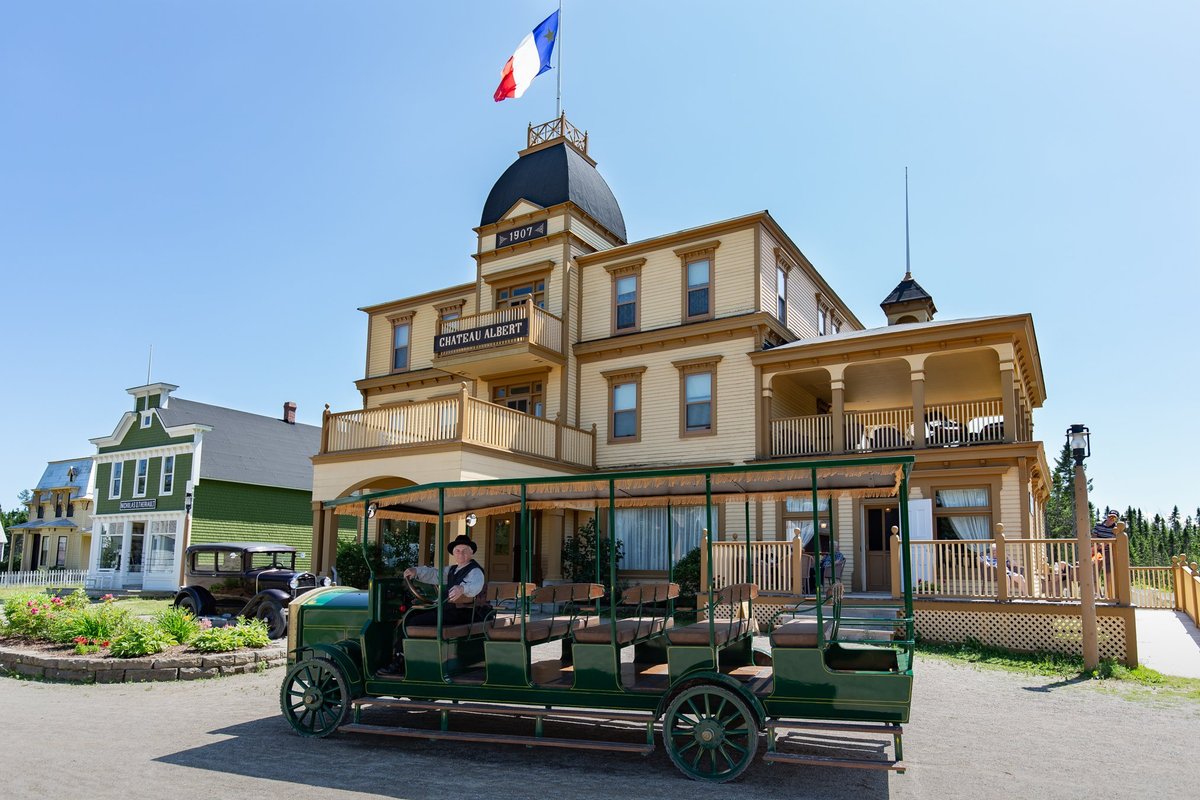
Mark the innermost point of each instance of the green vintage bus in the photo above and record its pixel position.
(749, 670)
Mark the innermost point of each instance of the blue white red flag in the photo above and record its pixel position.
(531, 59)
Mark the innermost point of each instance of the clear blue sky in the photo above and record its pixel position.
(230, 181)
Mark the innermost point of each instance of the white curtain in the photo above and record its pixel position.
(643, 532)
(962, 498)
(971, 527)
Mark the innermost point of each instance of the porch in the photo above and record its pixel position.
(501, 340)
(458, 419)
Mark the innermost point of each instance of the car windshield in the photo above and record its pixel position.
(281, 560)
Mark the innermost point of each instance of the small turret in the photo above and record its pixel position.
(908, 302)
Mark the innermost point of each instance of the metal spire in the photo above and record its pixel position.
(558, 68)
(907, 262)
(149, 364)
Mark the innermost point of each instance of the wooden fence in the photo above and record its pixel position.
(1152, 587)
(43, 577)
(1187, 587)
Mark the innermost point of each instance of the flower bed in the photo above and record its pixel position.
(73, 639)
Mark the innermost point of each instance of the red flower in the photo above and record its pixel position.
(104, 643)
(80, 640)
(56, 601)
(34, 611)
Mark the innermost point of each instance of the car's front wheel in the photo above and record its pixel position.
(188, 604)
(315, 697)
(272, 614)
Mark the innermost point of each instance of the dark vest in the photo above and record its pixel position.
(455, 576)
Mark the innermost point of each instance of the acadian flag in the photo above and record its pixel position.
(531, 59)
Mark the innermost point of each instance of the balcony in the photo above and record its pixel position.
(499, 341)
(460, 419)
(946, 425)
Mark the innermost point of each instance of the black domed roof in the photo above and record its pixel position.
(551, 176)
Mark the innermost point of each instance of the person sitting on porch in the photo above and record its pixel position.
(1104, 528)
(838, 564)
(1016, 581)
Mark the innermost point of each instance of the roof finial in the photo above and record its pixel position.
(907, 262)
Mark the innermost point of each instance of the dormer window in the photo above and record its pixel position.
(147, 418)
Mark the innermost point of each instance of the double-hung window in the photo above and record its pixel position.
(626, 290)
(781, 294)
(624, 404)
(698, 395)
(168, 475)
(114, 486)
(140, 476)
(699, 280)
(401, 332)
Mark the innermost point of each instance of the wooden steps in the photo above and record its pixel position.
(825, 761)
(499, 738)
(506, 710)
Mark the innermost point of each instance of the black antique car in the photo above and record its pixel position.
(248, 579)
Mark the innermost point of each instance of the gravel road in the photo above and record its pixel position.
(975, 733)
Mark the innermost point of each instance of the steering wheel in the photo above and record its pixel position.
(419, 594)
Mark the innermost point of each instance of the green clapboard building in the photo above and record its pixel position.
(176, 472)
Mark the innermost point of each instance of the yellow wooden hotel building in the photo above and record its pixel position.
(572, 350)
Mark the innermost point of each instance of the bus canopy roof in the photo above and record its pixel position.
(872, 477)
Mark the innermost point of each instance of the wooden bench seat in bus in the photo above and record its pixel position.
(801, 633)
(637, 627)
(851, 626)
(561, 614)
(737, 596)
(492, 593)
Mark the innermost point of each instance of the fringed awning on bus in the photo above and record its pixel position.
(871, 478)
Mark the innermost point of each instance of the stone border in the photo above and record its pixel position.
(87, 669)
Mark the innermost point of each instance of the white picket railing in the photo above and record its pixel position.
(887, 429)
(43, 577)
(802, 436)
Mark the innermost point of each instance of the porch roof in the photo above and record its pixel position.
(871, 477)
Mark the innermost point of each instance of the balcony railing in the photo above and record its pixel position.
(460, 418)
(946, 425)
(500, 326)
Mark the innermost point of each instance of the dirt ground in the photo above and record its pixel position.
(974, 733)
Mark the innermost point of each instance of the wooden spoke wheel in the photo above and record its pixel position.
(710, 733)
(315, 697)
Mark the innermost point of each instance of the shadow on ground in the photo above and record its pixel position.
(417, 768)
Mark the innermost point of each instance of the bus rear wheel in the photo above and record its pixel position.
(710, 733)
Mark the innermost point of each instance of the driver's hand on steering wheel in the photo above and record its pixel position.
(410, 573)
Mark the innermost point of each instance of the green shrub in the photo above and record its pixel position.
(99, 622)
(139, 638)
(580, 551)
(687, 572)
(178, 623)
(397, 553)
(30, 614)
(246, 633)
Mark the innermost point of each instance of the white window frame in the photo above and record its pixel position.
(142, 476)
(147, 418)
(114, 480)
(162, 478)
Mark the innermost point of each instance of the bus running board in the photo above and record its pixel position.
(774, 755)
(539, 714)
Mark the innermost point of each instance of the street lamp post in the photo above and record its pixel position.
(1079, 439)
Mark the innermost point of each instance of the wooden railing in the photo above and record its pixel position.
(1152, 587)
(777, 567)
(1187, 587)
(1003, 568)
(545, 329)
(887, 429)
(802, 436)
(458, 418)
(555, 128)
(946, 424)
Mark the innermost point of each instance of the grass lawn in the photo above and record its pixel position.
(1070, 668)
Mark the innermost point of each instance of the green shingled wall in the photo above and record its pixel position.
(237, 512)
(171, 502)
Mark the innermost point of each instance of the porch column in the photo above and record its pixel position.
(918, 403)
(837, 411)
(1008, 400)
(318, 540)
(765, 445)
(553, 524)
(330, 524)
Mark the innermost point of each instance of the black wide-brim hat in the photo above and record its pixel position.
(462, 538)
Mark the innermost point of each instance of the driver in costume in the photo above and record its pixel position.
(463, 580)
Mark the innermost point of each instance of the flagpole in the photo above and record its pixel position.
(558, 47)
